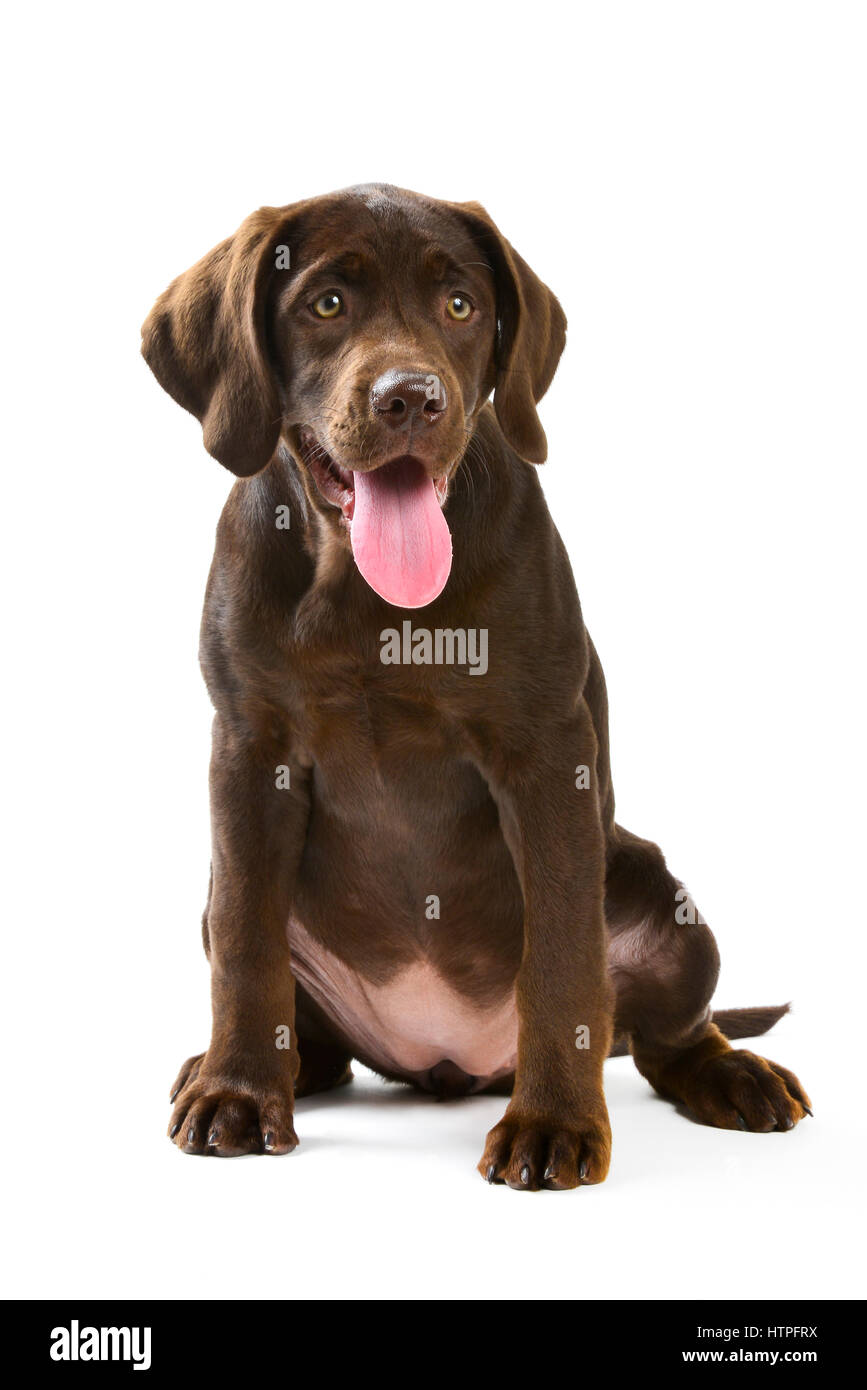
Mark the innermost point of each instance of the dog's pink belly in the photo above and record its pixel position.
(415, 1024)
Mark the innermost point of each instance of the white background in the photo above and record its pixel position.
(689, 178)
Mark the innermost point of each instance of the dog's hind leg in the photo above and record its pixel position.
(664, 963)
(325, 1060)
(323, 1067)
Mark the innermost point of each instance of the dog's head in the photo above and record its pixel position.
(367, 328)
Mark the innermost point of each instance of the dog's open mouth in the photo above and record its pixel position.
(400, 539)
(336, 484)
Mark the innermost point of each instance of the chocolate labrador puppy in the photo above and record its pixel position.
(415, 856)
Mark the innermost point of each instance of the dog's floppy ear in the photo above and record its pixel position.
(530, 339)
(204, 341)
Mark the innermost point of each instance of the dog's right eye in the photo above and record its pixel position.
(328, 306)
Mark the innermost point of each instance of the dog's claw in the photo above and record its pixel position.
(809, 1111)
(491, 1173)
(528, 1152)
(223, 1122)
(741, 1122)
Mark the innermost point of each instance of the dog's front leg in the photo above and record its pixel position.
(238, 1097)
(555, 1132)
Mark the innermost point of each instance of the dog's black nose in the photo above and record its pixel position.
(404, 398)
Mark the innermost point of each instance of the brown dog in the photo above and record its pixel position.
(415, 857)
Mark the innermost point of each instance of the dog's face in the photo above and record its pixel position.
(367, 328)
(384, 335)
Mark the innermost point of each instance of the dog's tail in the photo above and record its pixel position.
(749, 1023)
(732, 1023)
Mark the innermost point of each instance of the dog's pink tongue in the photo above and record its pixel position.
(400, 539)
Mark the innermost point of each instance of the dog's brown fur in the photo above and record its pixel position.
(412, 780)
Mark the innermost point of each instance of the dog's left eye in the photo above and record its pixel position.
(458, 307)
(328, 306)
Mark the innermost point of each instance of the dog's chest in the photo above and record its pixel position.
(416, 1024)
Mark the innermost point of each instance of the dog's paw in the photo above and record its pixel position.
(738, 1090)
(529, 1153)
(225, 1117)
